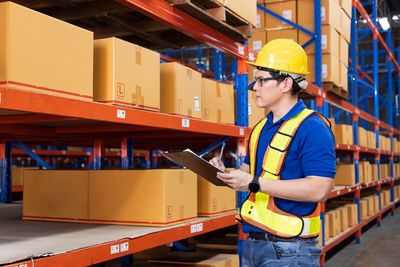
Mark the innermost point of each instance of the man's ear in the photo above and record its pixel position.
(287, 84)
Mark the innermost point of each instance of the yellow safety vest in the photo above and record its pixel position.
(259, 209)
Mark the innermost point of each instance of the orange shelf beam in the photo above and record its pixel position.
(46, 104)
(102, 252)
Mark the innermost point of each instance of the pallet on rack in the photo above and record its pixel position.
(217, 16)
(335, 89)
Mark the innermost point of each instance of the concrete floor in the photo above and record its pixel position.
(379, 247)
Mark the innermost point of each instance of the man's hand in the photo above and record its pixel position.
(217, 163)
(237, 179)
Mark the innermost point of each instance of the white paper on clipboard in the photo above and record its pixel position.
(196, 164)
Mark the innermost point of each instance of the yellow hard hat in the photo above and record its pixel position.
(282, 55)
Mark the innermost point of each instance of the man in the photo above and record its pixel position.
(288, 168)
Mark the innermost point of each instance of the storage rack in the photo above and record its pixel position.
(135, 120)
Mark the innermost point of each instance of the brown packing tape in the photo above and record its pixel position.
(138, 55)
(137, 97)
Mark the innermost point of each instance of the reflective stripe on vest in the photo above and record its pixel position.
(259, 209)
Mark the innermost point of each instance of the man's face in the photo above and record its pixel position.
(267, 90)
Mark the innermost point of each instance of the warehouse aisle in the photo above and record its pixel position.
(379, 247)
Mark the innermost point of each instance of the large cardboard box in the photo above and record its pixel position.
(45, 55)
(180, 90)
(345, 174)
(330, 70)
(345, 24)
(17, 176)
(329, 41)
(364, 209)
(346, 6)
(142, 197)
(248, 11)
(352, 213)
(255, 114)
(343, 134)
(330, 10)
(257, 41)
(344, 219)
(56, 195)
(260, 21)
(376, 204)
(286, 33)
(343, 51)
(286, 9)
(217, 102)
(334, 222)
(343, 79)
(126, 74)
(199, 259)
(214, 199)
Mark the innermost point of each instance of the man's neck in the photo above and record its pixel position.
(283, 108)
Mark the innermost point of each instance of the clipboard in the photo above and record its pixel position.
(196, 164)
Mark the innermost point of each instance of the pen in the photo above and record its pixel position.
(222, 151)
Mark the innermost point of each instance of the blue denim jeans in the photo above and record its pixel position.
(276, 252)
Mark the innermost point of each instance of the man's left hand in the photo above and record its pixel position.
(237, 179)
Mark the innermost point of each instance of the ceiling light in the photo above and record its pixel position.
(395, 17)
(384, 22)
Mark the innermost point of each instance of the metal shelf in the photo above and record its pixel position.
(49, 235)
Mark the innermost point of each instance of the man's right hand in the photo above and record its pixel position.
(217, 163)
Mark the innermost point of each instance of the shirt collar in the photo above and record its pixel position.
(296, 109)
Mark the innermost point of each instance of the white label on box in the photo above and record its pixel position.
(185, 123)
(124, 247)
(323, 13)
(114, 249)
(287, 14)
(196, 103)
(258, 21)
(241, 131)
(324, 41)
(257, 45)
(251, 56)
(121, 114)
(324, 71)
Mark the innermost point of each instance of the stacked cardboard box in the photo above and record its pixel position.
(345, 174)
(343, 134)
(44, 55)
(126, 74)
(133, 197)
(247, 11)
(334, 222)
(364, 208)
(181, 91)
(214, 199)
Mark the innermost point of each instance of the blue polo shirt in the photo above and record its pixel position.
(312, 152)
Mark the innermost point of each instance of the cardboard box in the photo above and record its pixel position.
(343, 134)
(327, 226)
(334, 222)
(17, 176)
(330, 70)
(199, 259)
(345, 24)
(345, 174)
(247, 11)
(214, 199)
(376, 204)
(255, 114)
(364, 209)
(370, 205)
(257, 41)
(126, 74)
(329, 41)
(346, 6)
(343, 79)
(142, 197)
(362, 137)
(343, 51)
(217, 102)
(56, 195)
(344, 219)
(180, 90)
(286, 33)
(260, 21)
(352, 213)
(329, 13)
(286, 9)
(44, 55)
